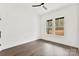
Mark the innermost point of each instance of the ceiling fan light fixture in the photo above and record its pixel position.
(42, 4)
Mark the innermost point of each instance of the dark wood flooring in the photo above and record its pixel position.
(41, 48)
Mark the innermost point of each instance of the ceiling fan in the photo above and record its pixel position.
(42, 4)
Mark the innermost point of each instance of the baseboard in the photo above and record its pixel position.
(30, 40)
(59, 43)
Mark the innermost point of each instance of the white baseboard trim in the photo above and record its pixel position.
(14, 45)
(75, 46)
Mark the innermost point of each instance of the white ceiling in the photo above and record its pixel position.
(37, 10)
(50, 6)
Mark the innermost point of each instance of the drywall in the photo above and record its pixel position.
(70, 14)
(19, 25)
(78, 22)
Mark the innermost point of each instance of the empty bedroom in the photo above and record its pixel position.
(39, 29)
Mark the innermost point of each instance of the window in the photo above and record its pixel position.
(50, 26)
(59, 26)
(56, 26)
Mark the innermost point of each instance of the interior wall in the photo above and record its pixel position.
(70, 14)
(78, 22)
(19, 25)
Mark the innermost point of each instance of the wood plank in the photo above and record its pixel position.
(40, 48)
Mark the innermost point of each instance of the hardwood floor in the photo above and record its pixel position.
(41, 48)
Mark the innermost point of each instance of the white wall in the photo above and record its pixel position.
(19, 25)
(70, 14)
(78, 23)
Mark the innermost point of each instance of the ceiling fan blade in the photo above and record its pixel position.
(36, 5)
(44, 7)
(42, 3)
